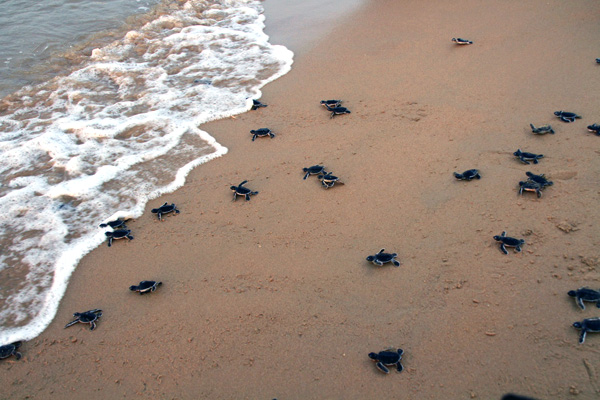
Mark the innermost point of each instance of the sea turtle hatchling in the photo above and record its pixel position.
(164, 209)
(587, 325)
(331, 103)
(530, 186)
(10, 350)
(566, 116)
(525, 157)
(145, 287)
(541, 179)
(585, 294)
(468, 175)
(388, 358)
(118, 234)
(116, 224)
(597, 60)
(541, 130)
(242, 191)
(337, 111)
(262, 132)
(461, 41)
(328, 180)
(86, 317)
(382, 258)
(595, 128)
(507, 241)
(257, 104)
(314, 170)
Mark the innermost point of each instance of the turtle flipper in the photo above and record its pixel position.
(248, 197)
(110, 239)
(598, 304)
(92, 325)
(17, 355)
(129, 237)
(382, 367)
(234, 196)
(582, 336)
(396, 263)
(377, 262)
(518, 248)
(580, 303)
(72, 323)
(503, 248)
(306, 176)
(400, 367)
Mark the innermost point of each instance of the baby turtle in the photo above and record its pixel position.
(598, 60)
(468, 175)
(118, 234)
(587, 325)
(314, 170)
(541, 179)
(525, 157)
(86, 317)
(566, 116)
(262, 132)
(594, 128)
(507, 241)
(530, 186)
(337, 111)
(145, 287)
(585, 294)
(242, 191)
(388, 358)
(461, 41)
(382, 258)
(118, 223)
(10, 350)
(328, 180)
(164, 209)
(542, 130)
(257, 104)
(331, 103)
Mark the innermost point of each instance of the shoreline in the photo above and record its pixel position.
(276, 293)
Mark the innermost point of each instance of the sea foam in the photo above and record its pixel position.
(118, 131)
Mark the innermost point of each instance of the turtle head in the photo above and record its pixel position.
(558, 113)
(577, 325)
(233, 187)
(517, 153)
(370, 258)
(374, 356)
(572, 293)
(497, 237)
(458, 176)
(133, 288)
(108, 234)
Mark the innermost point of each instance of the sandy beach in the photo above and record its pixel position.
(274, 298)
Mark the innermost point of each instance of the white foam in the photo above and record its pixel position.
(82, 150)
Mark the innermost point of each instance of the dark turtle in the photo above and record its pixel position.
(118, 234)
(331, 103)
(86, 317)
(507, 241)
(511, 396)
(118, 223)
(585, 294)
(337, 111)
(164, 209)
(314, 170)
(566, 116)
(594, 128)
(242, 191)
(262, 132)
(598, 60)
(587, 325)
(541, 179)
(525, 157)
(461, 41)
(10, 350)
(382, 258)
(257, 104)
(468, 175)
(541, 130)
(388, 358)
(145, 287)
(328, 180)
(530, 186)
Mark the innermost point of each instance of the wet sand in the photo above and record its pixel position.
(273, 298)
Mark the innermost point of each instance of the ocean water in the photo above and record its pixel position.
(106, 122)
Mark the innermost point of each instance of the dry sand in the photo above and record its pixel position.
(273, 298)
